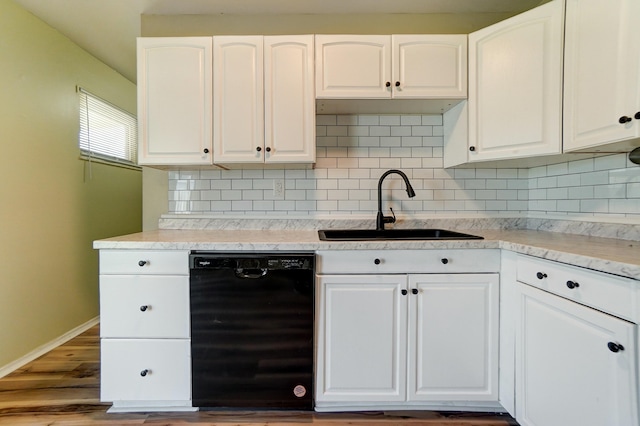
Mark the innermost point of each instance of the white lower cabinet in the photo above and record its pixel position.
(145, 330)
(361, 341)
(453, 337)
(406, 340)
(574, 365)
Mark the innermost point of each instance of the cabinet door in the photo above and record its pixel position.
(290, 114)
(362, 330)
(238, 103)
(515, 86)
(453, 337)
(602, 72)
(174, 100)
(429, 66)
(566, 374)
(353, 66)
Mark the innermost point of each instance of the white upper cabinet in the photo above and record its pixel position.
(353, 66)
(174, 100)
(429, 66)
(398, 66)
(238, 103)
(264, 110)
(602, 73)
(515, 86)
(289, 89)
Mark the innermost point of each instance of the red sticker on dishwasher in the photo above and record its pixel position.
(299, 391)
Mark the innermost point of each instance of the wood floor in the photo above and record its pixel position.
(62, 388)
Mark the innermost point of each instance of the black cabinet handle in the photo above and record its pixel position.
(472, 148)
(387, 84)
(397, 84)
(144, 372)
(444, 260)
(615, 347)
(404, 292)
(268, 149)
(258, 148)
(572, 284)
(541, 275)
(144, 307)
(624, 119)
(206, 150)
(414, 291)
(142, 263)
(637, 116)
(377, 261)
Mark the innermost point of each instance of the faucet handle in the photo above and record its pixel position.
(389, 219)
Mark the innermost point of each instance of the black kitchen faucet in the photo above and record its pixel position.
(382, 219)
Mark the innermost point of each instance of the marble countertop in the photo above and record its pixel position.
(615, 256)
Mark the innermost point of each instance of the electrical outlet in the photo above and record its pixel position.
(278, 189)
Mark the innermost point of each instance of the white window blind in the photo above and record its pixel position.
(106, 132)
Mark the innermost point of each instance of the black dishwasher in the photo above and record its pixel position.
(252, 325)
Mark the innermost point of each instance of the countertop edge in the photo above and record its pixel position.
(600, 254)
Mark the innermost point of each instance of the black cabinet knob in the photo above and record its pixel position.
(541, 275)
(404, 292)
(206, 150)
(388, 84)
(377, 261)
(414, 291)
(142, 263)
(144, 307)
(624, 119)
(615, 347)
(572, 284)
(268, 149)
(144, 372)
(472, 148)
(397, 84)
(637, 116)
(444, 260)
(258, 148)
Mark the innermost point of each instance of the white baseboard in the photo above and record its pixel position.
(41, 350)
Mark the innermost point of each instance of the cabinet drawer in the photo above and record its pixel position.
(407, 261)
(144, 306)
(605, 292)
(144, 262)
(145, 370)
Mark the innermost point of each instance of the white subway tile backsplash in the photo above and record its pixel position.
(354, 150)
(389, 120)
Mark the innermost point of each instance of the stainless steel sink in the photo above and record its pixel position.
(393, 234)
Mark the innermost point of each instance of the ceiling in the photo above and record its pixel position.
(108, 28)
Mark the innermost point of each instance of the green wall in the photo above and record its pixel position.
(50, 208)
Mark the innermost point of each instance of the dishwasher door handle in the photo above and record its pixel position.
(251, 273)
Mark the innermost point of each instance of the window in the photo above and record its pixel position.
(106, 132)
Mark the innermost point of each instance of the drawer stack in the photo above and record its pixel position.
(145, 329)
